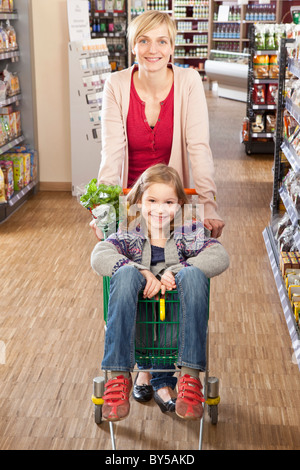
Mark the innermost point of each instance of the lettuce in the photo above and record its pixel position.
(95, 195)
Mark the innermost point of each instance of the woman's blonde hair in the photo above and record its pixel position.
(148, 20)
(159, 173)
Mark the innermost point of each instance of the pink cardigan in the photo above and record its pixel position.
(191, 154)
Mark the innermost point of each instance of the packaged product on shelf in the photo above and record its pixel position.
(292, 184)
(289, 275)
(7, 120)
(25, 149)
(2, 187)
(279, 32)
(270, 43)
(289, 262)
(12, 37)
(289, 125)
(18, 167)
(273, 66)
(282, 224)
(259, 94)
(5, 131)
(259, 37)
(245, 130)
(4, 41)
(109, 5)
(293, 290)
(261, 66)
(258, 125)
(270, 122)
(286, 240)
(272, 91)
(2, 90)
(12, 82)
(293, 137)
(119, 6)
(17, 123)
(99, 5)
(8, 172)
(296, 311)
(8, 116)
(6, 5)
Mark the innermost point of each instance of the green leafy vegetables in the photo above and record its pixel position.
(97, 195)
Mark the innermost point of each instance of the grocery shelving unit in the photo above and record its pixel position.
(232, 33)
(258, 142)
(89, 68)
(111, 25)
(192, 20)
(19, 61)
(282, 197)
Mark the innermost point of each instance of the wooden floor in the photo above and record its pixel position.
(52, 327)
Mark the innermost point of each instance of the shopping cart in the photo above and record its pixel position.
(156, 345)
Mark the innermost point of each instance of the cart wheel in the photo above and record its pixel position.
(98, 384)
(98, 414)
(249, 152)
(213, 413)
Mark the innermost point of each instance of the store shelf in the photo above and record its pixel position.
(17, 200)
(9, 55)
(11, 144)
(289, 206)
(9, 16)
(294, 67)
(10, 100)
(293, 109)
(291, 155)
(285, 302)
(19, 195)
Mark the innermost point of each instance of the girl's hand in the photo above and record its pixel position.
(98, 233)
(168, 282)
(153, 285)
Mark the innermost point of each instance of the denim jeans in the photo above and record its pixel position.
(119, 349)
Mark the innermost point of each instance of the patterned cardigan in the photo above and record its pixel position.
(186, 246)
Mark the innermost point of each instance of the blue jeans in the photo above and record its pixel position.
(119, 349)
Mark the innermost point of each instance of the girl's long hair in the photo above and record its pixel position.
(159, 173)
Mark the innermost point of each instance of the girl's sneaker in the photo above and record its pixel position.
(116, 398)
(190, 398)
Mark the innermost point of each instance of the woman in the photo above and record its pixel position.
(155, 112)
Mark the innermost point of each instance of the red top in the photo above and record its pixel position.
(147, 146)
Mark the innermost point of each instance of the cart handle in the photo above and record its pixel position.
(188, 191)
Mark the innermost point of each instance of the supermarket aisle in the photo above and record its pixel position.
(51, 324)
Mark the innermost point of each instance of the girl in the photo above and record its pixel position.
(154, 254)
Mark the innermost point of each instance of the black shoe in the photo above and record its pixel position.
(142, 393)
(165, 405)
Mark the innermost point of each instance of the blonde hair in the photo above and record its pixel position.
(148, 20)
(159, 173)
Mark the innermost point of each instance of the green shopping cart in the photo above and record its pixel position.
(156, 345)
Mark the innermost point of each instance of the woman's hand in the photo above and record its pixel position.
(98, 233)
(167, 282)
(153, 285)
(215, 226)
